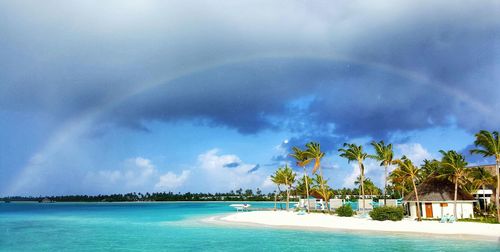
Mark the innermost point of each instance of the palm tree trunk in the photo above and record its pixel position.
(497, 200)
(403, 190)
(385, 187)
(362, 184)
(484, 201)
(275, 203)
(455, 199)
(287, 194)
(307, 189)
(323, 187)
(418, 202)
(287, 198)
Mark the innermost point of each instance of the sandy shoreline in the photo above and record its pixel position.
(282, 219)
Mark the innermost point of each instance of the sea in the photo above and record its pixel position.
(180, 226)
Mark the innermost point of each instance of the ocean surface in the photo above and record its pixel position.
(177, 227)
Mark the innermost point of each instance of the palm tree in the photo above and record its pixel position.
(284, 176)
(278, 180)
(408, 171)
(399, 181)
(313, 152)
(384, 154)
(321, 187)
(301, 187)
(370, 187)
(454, 169)
(489, 146)
(355, 152)
(430, 168)
(481, 178)
(302, 160)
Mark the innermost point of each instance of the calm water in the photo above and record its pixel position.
(175, 227)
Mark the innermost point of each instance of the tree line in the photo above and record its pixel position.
(238, 195)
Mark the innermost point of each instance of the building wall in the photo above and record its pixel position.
(464, 209)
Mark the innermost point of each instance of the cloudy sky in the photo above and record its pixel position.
(120, 96)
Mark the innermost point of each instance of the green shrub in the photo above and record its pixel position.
(491, 220)
(387, 213)
(345, 211)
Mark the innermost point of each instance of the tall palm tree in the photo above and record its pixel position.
(454, 169)
(482, 178)
(408, 171)
(302, 160)
(284, 176)
(488, 144)
(276, 178)
(313, 152)
(355, 152)
(384, 154)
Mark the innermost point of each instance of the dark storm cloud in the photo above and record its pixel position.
(85, 55)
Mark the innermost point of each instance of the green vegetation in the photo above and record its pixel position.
(480, 179)
(387, 213)
(454, 169)
(384, 154)
(284, 176)
(345, 211)
(303, 160)
(488, 144)
(490, 220)
(321, 188)
(407, 171)
(313, 152)
(353, 152)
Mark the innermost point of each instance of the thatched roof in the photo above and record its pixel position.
(435, 189)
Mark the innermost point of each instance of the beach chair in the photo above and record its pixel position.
(301, 212)
(444, 219)
(451, 219)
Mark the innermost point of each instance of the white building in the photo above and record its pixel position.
(436, 200)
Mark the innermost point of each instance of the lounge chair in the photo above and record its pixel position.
(451, 219)
(301, 212)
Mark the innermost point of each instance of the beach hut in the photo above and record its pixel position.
(436, 200)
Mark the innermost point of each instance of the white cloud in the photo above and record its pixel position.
(218, 174)
(170, 180)
(138, 174)
(373, 171)
(414, 151)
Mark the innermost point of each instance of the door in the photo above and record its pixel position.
(428, 210)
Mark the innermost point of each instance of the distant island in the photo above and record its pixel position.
(238, 195)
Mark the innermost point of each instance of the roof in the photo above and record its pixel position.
(490, 168)
(436, 189)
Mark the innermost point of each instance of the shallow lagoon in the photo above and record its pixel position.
(176, 227)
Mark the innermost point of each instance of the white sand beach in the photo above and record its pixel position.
(324, 221)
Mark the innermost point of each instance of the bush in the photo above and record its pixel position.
(387, 213)
(345, 211)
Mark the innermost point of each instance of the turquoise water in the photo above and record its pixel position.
(176, 227)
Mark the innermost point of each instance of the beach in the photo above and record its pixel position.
(331, 222)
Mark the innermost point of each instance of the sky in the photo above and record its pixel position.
(210, 96)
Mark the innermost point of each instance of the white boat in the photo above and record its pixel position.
(241, 207)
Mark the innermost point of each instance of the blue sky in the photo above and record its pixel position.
(120, 96)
